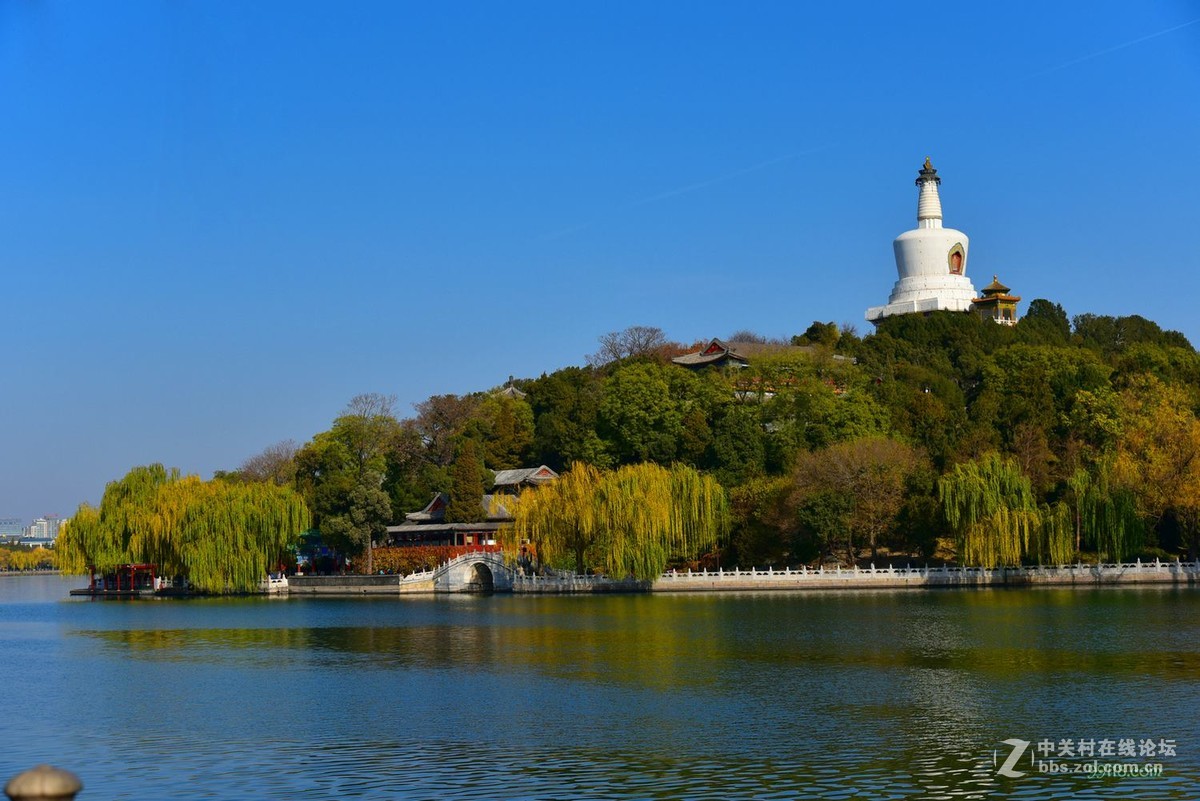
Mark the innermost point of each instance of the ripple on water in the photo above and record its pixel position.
(887, 696)
(423, 769)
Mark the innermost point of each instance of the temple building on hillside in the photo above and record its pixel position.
(512, 482)
(510, 391)
(931, 261)
(715, 354)
(429, 526)
(996, 304)
(718, 353)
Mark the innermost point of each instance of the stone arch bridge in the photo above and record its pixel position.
(478, 571)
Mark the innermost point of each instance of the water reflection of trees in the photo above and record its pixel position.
(660, 642)
(623, 639)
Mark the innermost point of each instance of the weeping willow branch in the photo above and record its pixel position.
(629, 522)
(221, 536)
(1106, 516)
(991, 506)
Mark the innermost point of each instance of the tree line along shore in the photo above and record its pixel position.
(941, 437)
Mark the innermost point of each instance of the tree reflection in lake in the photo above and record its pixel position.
(885, 694)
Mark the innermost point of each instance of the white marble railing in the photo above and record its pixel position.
(424, 575)
(557, 578)
(493, 559)
(822, 576)
(1101, 570)
(1080, 570)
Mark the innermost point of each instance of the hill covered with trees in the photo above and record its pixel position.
(1041, 441)
(934, 436)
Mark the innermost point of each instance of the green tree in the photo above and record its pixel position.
(1113, 334)
(920, 526)
(1105, 516)
(566, 406)
(222, 536)
(1171, 365)
(991, 506)
(412, 476)
(861, 482)
(812, 402)
(503, 425)
(737, 448)
(761, 530)
(341, 472)
(441, 421)
(467, 479)
(1158, 455)
(926, 408)
(630, 521)
(639, 419)
(819, 333)
(1044, 323)
(823, 524)
(361, 517)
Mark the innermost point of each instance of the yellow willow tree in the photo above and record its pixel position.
(99, 536)
(991, 506)
(1105, 515)
(1158, 455)
(221, 536)
(629, 522)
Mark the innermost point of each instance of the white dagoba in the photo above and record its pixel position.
(931, 260)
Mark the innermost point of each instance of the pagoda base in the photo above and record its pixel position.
(917, 306)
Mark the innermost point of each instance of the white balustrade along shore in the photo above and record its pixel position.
(1156, 572)
(569, 583)
(488, 572)
(419, 583)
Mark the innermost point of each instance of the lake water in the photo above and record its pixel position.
(880, 695)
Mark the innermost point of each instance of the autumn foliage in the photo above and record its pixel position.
(418, 558)
(18, 559)
(221, 536)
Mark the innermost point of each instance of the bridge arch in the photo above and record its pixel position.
(482, 579)
(479, 571)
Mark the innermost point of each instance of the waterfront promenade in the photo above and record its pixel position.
(487, 572)
(1157, 572)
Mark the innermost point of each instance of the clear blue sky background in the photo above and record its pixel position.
(219, 222)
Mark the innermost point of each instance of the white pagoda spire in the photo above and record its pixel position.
(929, 205)
(931, 260)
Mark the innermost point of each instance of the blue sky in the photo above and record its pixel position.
(219, 222)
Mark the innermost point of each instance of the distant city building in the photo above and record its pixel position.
(931, 261)
(42, 531)
(11, 529)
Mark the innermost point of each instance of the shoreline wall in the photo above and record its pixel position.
(344, 585)
(1175, 573)
(1183, 574)
(570, 585)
